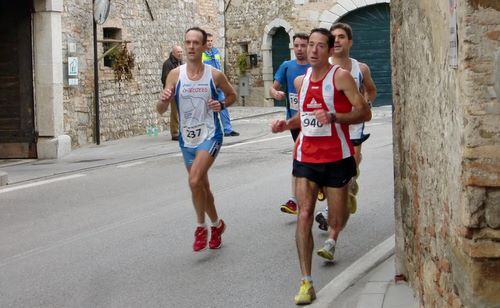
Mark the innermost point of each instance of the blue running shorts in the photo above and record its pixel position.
(212, 146)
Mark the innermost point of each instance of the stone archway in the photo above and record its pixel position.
(343, 7)
(266, 49)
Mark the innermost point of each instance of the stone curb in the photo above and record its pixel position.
(349, 276)
(4, 178)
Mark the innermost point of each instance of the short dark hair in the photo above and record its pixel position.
(301, 35)
(325, 32)
(203, 33)
(343, 26)
(209, 34)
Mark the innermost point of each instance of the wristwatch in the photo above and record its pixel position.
(333, 117)
(222, 105)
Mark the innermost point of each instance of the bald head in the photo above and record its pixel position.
(177, 52)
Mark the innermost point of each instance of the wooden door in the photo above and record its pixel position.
(17, 125)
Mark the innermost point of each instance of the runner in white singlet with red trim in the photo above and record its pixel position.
(361, 74)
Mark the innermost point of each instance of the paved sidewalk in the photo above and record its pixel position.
(369, 282)
(377, 289)
(125, 150)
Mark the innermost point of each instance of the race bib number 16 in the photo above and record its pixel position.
(311, 127)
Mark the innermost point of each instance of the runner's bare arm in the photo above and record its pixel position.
(278, 126)
(297, 82)
(361, 112)
(222, 83)
(275, 91)
(370, 90)
(167, 94)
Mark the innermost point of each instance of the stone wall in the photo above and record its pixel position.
(126, 109)
(447, 151)
(250, 22)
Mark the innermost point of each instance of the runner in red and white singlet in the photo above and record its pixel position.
(323, 152)
(322, 143)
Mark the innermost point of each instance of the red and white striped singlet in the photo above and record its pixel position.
(319, 143)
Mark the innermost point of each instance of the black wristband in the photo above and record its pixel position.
(222, 106)
(333, 117)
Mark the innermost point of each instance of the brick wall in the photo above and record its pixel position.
(447, 145)
(126, 109)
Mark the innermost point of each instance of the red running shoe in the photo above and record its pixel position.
(200, 238)
(215, 238)
(290, 207)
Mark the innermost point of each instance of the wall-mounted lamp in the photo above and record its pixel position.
(253, 60)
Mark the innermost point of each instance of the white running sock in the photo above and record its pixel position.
(330, 240)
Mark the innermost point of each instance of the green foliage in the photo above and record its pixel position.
(123, 63)
(242, 62)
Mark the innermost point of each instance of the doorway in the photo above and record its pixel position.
(17, 124)
(372, 45)
(281, 53)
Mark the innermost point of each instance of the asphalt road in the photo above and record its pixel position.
(120, 235)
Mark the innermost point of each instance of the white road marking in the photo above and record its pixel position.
(373, 124)
(254, 141)
(64, 178)
(130, 164)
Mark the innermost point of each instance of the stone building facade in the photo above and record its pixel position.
(61, 113)
(252, 25)
(126, 108)
(447, 149)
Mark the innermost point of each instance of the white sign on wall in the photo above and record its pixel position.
(453, 55)
(72, 66)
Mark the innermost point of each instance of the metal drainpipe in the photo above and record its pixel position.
(96, 82)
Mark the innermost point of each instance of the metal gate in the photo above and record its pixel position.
(17, 125)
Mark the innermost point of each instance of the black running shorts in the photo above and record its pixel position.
(336, 174)
(295, 133)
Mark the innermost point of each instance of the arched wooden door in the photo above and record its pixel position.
(371, 45)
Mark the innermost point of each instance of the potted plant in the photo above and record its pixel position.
(123, 63)
(242, 61)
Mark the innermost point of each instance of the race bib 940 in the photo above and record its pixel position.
(311, 127)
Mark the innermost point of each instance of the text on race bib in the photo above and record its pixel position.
(311, 127)
(293, 100)
(194, 135)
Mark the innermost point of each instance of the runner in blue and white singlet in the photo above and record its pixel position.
(192, 87)
(197, 122)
